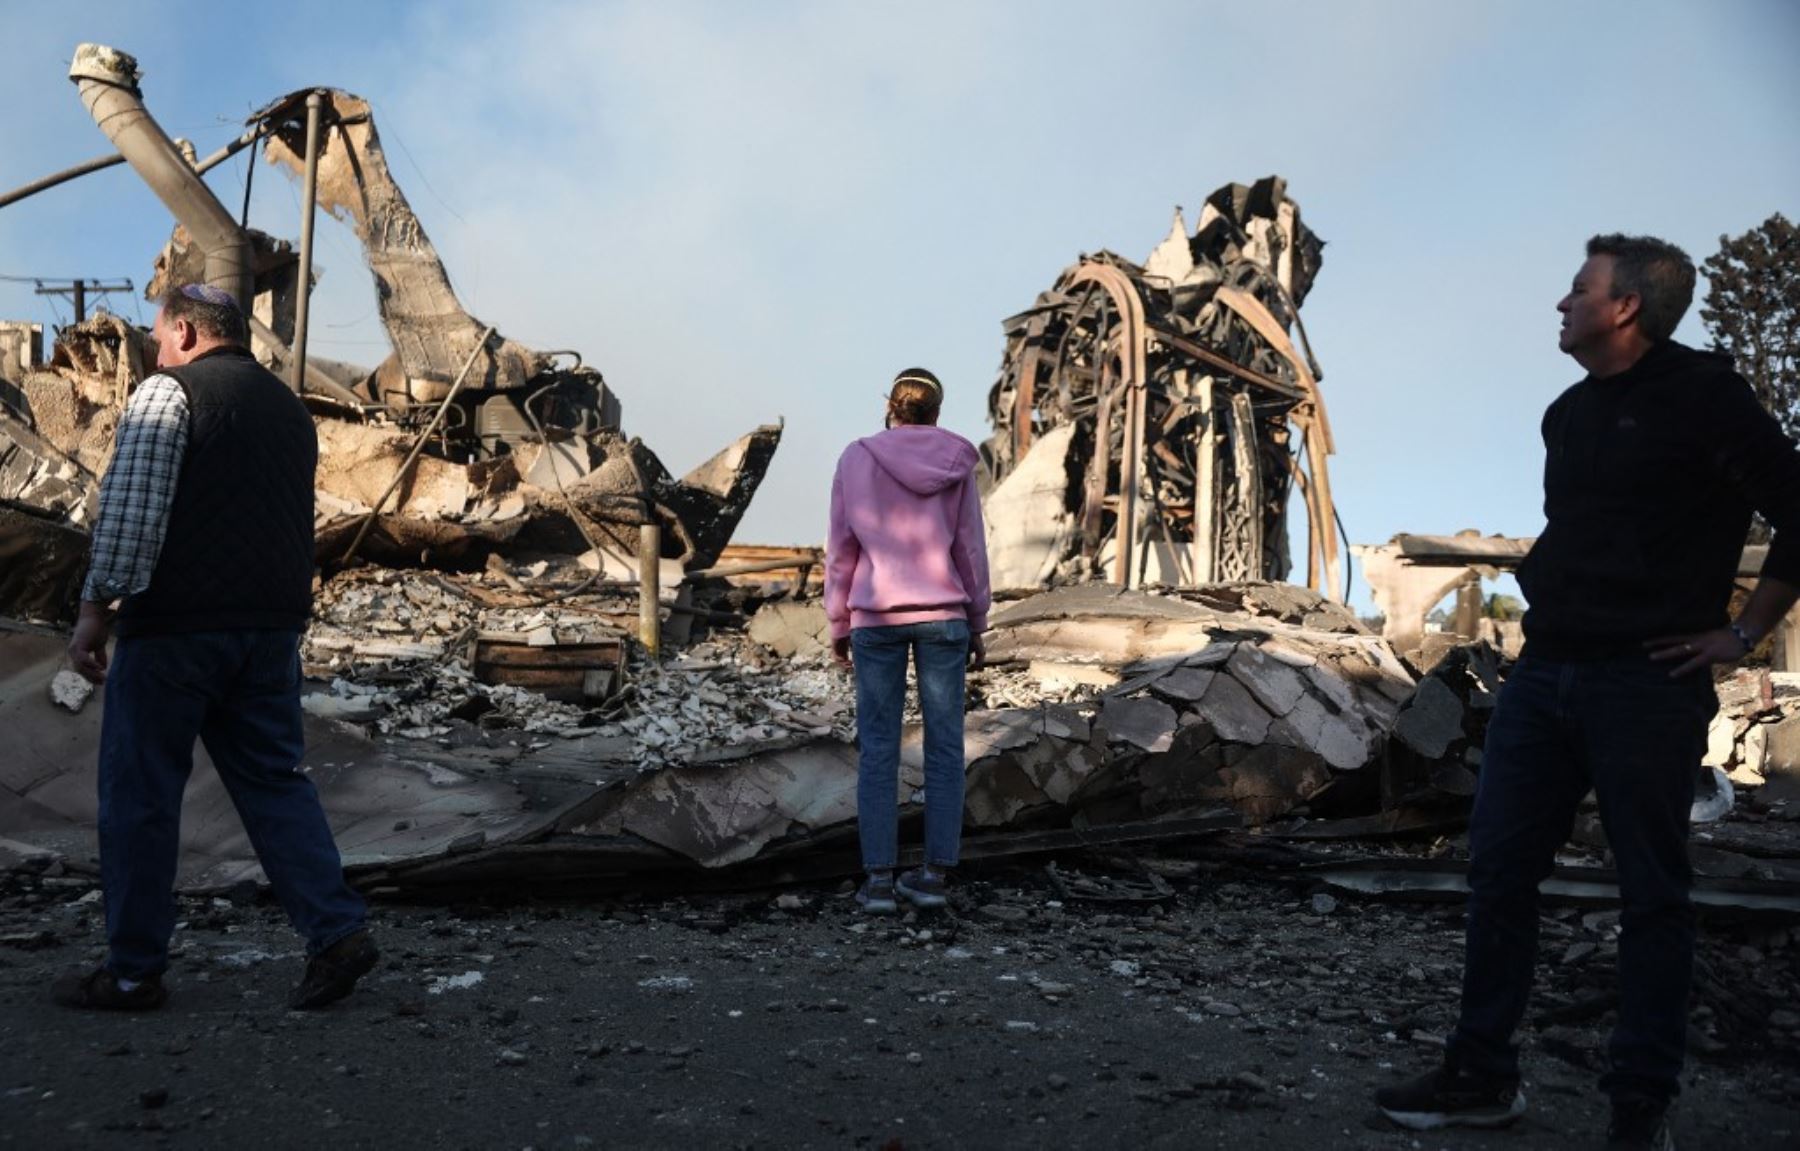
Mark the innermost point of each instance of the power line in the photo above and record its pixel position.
(76, 290)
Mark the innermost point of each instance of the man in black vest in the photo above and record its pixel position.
(205, 532)
(1654, 463)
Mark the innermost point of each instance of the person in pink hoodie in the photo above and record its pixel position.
(906, 573)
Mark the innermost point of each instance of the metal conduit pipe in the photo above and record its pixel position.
(98, 163)
(101, 163)
(107, 80)
(315, 103)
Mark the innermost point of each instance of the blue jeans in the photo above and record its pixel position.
(239, 693)
(1636, 737)
(940, 652)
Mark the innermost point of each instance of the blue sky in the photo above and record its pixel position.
(743, 211)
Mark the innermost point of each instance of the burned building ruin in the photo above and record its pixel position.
(1149, 420)
(459, 443)
(478, 713)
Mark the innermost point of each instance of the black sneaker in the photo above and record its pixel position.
(1452, 1097)
(99, 990)
(333, 972)
(1639, 1123)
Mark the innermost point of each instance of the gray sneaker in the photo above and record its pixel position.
(876, 895)
(923, 888)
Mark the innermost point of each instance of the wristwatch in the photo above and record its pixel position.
(1743, 636)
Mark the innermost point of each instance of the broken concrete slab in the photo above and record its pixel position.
(711, 499)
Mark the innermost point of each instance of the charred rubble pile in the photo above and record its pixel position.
(460, 445)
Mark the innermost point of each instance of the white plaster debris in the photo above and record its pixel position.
(463, 982)
(69, 691)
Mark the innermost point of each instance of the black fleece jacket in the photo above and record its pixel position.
(239, 548)
(1650, 477)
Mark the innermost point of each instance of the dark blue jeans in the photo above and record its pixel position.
(940, 651)
(239, 693)
(1636, 737)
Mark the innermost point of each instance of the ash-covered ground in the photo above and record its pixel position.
(1246, 1009)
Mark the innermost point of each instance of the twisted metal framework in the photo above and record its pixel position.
(1195, 412)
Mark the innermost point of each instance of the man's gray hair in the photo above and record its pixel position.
(212, 312)
(1658, 273)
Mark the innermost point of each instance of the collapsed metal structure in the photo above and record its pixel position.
(1170, 395)
(461, 442)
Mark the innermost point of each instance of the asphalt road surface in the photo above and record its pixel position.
(1241, 1013)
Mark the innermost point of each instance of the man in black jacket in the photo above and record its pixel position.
(205, 533)
(1654, 464)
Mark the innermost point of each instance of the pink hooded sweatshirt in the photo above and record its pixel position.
(906, 543)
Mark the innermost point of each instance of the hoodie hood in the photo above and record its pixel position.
(923, 458)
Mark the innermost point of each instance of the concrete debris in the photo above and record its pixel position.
(1432, 719)
(69, 691)
(1143, 415)
(733, 752)
(1755, 737)
(21, 348)
(74, 402)
(792, 628)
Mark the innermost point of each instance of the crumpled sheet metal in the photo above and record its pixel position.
(383, 806)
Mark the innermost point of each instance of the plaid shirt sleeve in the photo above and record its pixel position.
(137, 490)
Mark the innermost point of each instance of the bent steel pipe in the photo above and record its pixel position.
(107, 80)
